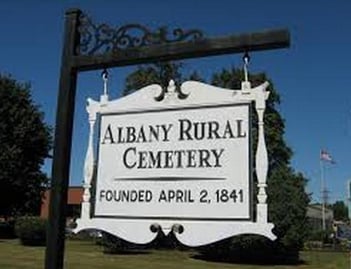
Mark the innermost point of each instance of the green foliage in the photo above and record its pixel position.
(287, 207)
(320, 235)
(31, 231)
(114, 245)
(286, 189)
(82, 236)
(7, 229)
(159, 73)
(25, 141)
(278, 152)
(340, 211)
(251, 249)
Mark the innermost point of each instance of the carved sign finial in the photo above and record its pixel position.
(172, 91)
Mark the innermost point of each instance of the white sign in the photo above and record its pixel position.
(177, 161)
(188, 163)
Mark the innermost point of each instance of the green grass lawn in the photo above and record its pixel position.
(84, 254)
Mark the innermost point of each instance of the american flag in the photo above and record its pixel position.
(325, 156)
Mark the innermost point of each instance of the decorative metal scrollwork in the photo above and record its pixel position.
(98, 39)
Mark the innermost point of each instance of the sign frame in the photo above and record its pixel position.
(191, 232)
(207, 106)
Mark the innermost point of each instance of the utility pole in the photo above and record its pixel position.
(349, 197)
(324, 195)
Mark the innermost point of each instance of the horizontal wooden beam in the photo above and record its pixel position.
(264, 40)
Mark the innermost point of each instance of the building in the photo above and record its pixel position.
(314, 215)
(74, 200)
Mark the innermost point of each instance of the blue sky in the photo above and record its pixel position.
(312, 76)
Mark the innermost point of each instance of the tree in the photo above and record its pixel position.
(25, 141)
(340, 211)
(158, 73)
(286, 188)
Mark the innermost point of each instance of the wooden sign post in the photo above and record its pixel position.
(89, 47)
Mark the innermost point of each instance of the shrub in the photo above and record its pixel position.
(320, 235)
(31, 231)
(85, 235)
(7, 229)
(251, 249)
(114, 245)
(166, 242)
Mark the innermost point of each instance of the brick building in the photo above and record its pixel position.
(74, 200)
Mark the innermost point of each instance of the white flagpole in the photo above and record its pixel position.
(322, 192)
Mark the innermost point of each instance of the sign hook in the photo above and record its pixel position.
(104, 76)
(246, 85)
(246, 59)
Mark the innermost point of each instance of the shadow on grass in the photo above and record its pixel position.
(248, 261)
(127, 252)
(7, 236)
(33, 245)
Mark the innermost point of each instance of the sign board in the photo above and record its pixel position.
(191, 163)
(182, 165)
